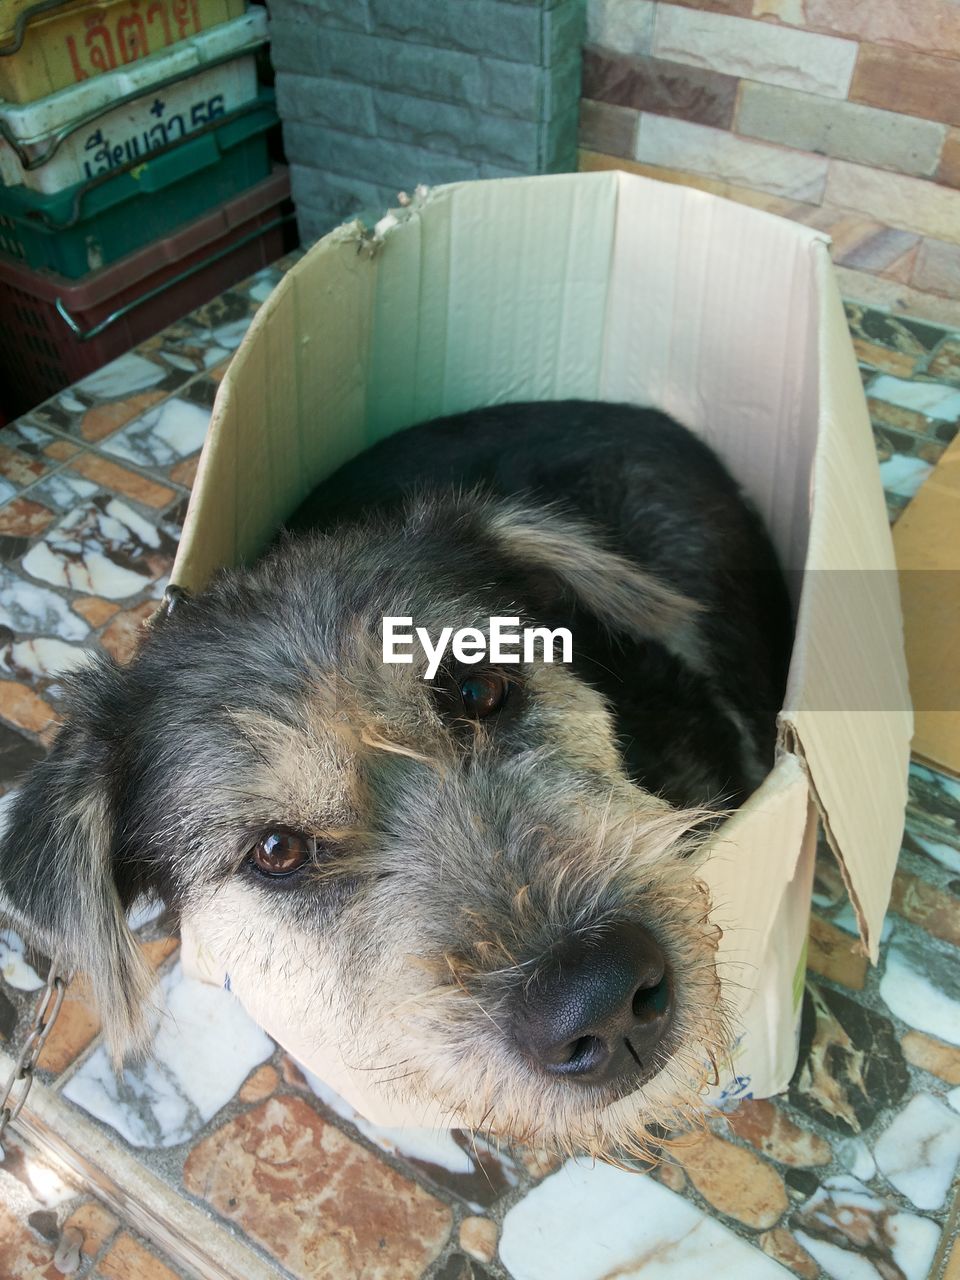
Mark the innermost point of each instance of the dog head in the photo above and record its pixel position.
(451, 879)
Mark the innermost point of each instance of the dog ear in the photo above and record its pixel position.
(624, 597)
(57, 858)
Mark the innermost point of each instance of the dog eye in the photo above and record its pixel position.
(483, 694)
(280, 853)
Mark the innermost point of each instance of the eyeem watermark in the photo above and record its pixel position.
(470, 644)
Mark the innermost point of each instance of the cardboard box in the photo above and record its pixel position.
(613, 287)
(928, 560)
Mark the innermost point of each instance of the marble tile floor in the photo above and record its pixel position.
(219, 1157)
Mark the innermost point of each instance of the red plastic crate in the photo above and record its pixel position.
(40, 354)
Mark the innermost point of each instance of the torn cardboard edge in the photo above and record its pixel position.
(615, 287)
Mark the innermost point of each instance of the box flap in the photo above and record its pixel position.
(927, 546)
(848, 708)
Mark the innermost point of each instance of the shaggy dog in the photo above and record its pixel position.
(479, 886)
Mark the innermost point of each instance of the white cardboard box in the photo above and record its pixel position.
(613, 287)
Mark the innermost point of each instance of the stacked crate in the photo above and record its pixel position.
(135, 176)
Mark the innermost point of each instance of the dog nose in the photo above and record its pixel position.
(598, 1008)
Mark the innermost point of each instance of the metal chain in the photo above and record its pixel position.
(45, 1015)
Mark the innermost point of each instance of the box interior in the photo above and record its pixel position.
(610, 286)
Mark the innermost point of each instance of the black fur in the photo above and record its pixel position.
(661, 497)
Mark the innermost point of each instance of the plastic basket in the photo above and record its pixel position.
(91, 225)
(119, 118)
(54, 331)
(45, 47)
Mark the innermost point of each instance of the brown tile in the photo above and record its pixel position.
(103, 419)
(738, 8)
(671, 1175)
(765, 1127)
(916, 84)
(603, 128)
(920, 25)
(122, 637)
(120, 480)
(948, 171)
(902, 269)
(478, 1237)
(260, 1084)
(61, 450)
(21, 1253)
(836, 955)
(789, 1252)
(95, 1223)
(22, 518)
(893, 295)
(185, 472)
(932, 1055)
(78, 1021)
(538, 1163)
(95, 610)
(880, 251)
(158, 950)
(76, 1027)
(952, 1270)
(24, 708)
(923, 904)
(931, 451)
(733, 1181)
(661, 87)
(315, 1200)
(937, 268)
(884, 414)
(129, 1260)
(945, 365)
(19, 468)
(900, 363)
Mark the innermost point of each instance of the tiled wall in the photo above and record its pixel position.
(844, 114)
(377, 96)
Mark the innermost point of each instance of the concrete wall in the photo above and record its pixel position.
(380, 95)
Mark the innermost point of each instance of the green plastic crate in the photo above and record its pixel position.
(95, 223)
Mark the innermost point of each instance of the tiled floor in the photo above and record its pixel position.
(220, 1157)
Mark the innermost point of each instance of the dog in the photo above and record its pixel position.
(480, 885)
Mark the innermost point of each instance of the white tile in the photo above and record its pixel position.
(843, 1208)
(13, 967)
(594, 1222)
(756, 50)
(623, 25)
(846, 920)
(25, 607)
(854, 1154)
(932, 399)
(161, 436)
(903, 475)
(945, 854)
(911, 996)
(205, 1047)
(919, 1152)
(839, 1264)
(716, 153)
(44, 657)
(122, 377)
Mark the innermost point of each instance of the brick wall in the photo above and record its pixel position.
(380, 95)
(844, 114)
